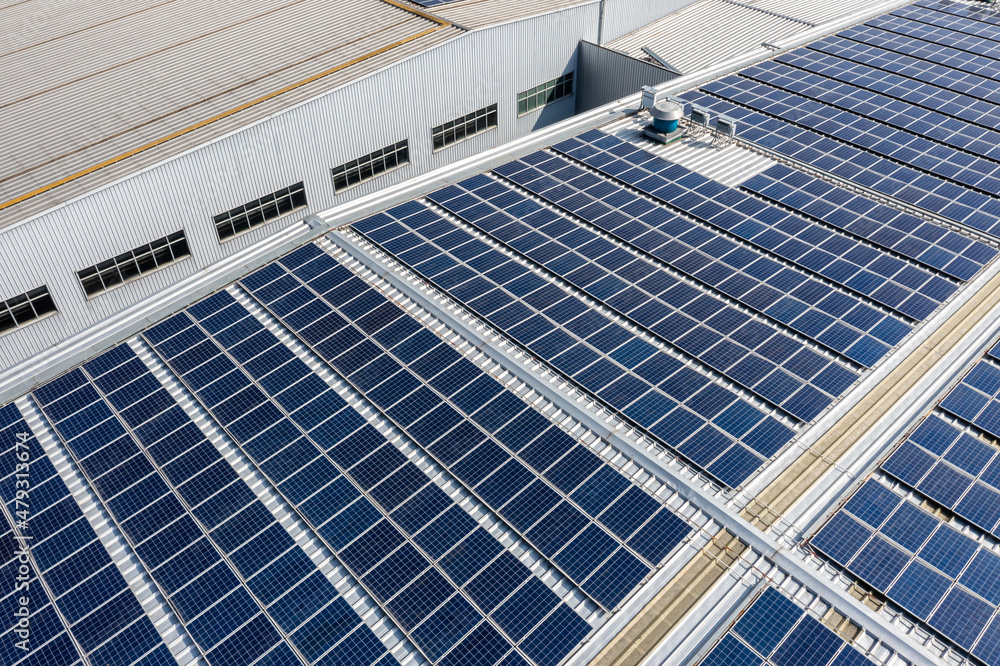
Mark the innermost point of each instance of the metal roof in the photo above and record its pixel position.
(474, 14)
(705, 33)
(99, 90)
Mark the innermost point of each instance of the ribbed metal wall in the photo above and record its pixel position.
(623, 16)
(471, 71)
(608, 75)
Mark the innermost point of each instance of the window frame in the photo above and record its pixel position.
(285, 201)
(543, 94)
(30, 298)
(133, 264)
(368, 167)
(488, 117)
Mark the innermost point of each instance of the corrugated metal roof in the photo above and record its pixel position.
(480, 13)
(706, 33)
(810, 11)
(88, 83)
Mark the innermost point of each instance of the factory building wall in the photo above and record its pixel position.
(301, 144)
(607, 75)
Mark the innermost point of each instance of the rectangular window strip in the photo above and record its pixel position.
(256, 213)
(371, 165)
(129, 265)
(464, 127)
(545, 93)
(25, 307)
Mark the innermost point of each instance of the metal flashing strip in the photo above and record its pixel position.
(712, 505)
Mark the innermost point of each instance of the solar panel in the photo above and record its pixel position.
(79, 604)
(574, 344)
(960, 9)
(764, 227)
(929, 244)
(346, 481)
(944, 577)
(237, 580)
(574, 509)
(932, 128)
(630, 285)
(775, 631)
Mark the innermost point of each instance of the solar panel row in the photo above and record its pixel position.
(810, 247)
(94, 614)
(571, 506)
(976, 94)
(840, 310)
(936, 128)
(922, 155)
(979, 118)
(674, 318)
(945, 578)
(631, 375)
(854, 164)
(965, 33)
(775, 631)
(236, 579)
(907, 236)
(436, 572)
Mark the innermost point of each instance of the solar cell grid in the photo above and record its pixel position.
(961, 27)
(565, 349)
(596, 279)
(858, 165)
(411, 546)
(762, 227)
(921, 563)
(775, 631)
(914, 119)
(946, 83)
(507, 470)
(219, 556)
(963, 10)
(953, 254)
(903, 148)
(103, 617)
(941, 103)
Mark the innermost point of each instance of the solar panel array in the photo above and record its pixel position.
(588, 258)
(946, 578)
(79, 605)
(906, 236)
(903, 104)
(947, 460)
(436, 572)
(678, 405)
(775, 631)
(240, 585)
(600, 531)
(235, 578)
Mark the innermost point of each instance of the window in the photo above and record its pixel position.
(256, 213)
(29, 306)
(464, 127)
(545, 93)
(134, 263)
(369, 166)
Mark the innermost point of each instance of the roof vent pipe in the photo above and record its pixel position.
(666, 115)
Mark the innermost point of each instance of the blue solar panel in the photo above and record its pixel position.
(578, 325)
(346, 481)
(929, 244)
(787, 295)
(775, 631)
(597, 258)
(511, 460)
(920, 562)
(212, 547)
(96, 609)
